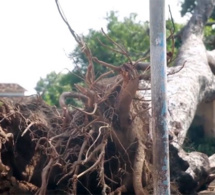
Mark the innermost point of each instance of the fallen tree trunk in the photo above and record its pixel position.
(187, 89)
(196, 78)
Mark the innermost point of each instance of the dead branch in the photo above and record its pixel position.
(114, 68)
(45, 177)
(100, 128)
(75, 36)
(142, 66)
(89, 93)
(88, 113)
(29, 126)
(90, 75)
(66, 95)
(102, 76)
(174, 71)
(121, 49)
(101, 155)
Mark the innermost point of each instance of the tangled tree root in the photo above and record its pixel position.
(45, 150)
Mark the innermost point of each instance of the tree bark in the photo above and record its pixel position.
(196, 78)
(186, 89)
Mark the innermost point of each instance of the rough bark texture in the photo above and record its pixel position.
(186, 90)
(196, 78)
(193, 84)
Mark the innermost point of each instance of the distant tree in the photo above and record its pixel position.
(131, 34)
(51, 87)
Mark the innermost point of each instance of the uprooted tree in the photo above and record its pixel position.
(105, 146)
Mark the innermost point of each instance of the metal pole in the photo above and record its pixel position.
(160, 137)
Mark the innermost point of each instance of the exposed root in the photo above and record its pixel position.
(138, 170)
(62, 150)
(45, 177)
(65, 95)
(114, 68)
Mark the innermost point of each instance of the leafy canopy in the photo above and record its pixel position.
(129, 33)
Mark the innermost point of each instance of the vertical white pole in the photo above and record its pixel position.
(161, 175)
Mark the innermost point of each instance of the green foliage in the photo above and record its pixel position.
(209, 34)
(130, 34)
(52, 86)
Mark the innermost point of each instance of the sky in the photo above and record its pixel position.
(34, 40)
